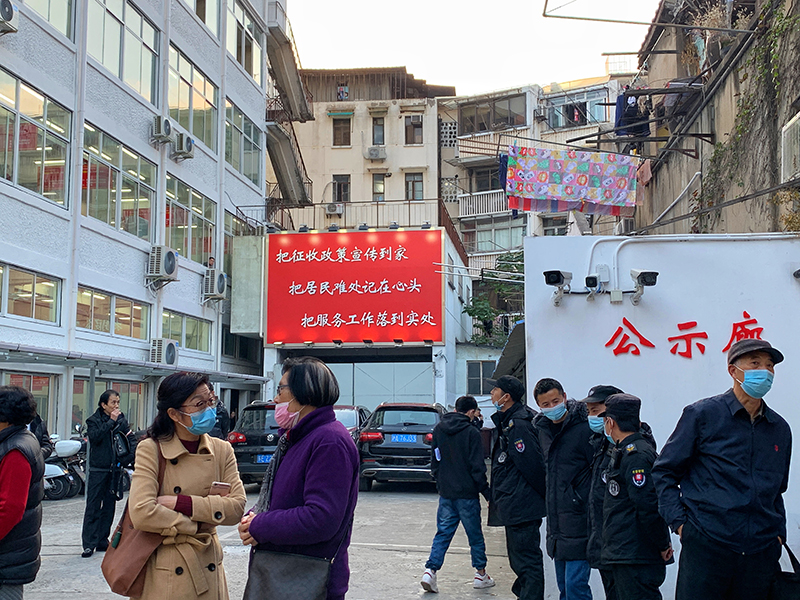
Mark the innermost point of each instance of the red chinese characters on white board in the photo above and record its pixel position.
(627, 339)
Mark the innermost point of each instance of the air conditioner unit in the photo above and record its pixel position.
(164, 351)
(163, 263)
(9, 17)
(184, 147)
(215, 285)
(162, 129)
(790, 149)
(334, 208)
(624, 226)
(376, 153)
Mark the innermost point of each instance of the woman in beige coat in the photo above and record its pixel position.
(186, 510)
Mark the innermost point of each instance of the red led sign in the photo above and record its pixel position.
(350, 287)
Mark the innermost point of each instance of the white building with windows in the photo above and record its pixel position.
(96, 189)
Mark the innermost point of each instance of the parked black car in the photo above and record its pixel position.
(352, 417)
(395, 444)
(254, 440)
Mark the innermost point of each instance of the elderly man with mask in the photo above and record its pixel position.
(720, 480)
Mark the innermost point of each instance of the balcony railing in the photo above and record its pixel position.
(482, 203)
(486, 145)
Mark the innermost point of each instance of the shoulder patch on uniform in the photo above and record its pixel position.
(613, 487)
(630, 448)
(638, 477)
(511, 423)
(519, 445)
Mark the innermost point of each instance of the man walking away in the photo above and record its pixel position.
(518, 486)
(720, 481)
(603, 448)
(460, 473)
(564, 437)
(100, 497)
(636, 542)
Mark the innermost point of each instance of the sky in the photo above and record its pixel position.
(475, 45)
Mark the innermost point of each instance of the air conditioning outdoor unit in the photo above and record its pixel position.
(162, 263)
(162, 129)
(376, 153)
(184, 147)
(790, 149)
(334, 208)
(215, 284)
(9, 17)
(164, 351)
(624, 226)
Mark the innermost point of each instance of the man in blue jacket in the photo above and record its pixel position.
(460, 472)
(720, 480)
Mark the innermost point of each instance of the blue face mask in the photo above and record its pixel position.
(202, 422)
(555, 413)
(610, 439)
(757, 382)
(596, 424)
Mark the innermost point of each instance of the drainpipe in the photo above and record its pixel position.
(678, 199)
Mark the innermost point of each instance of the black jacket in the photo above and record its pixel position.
(568, 456)
(633, 531)
(100, 429)
(597, 491)
(457, 458)
(19, 549)
(222, 426)
(39, 429)
(726, 473)
(518, 472)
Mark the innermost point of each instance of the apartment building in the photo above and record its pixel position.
(132, 133)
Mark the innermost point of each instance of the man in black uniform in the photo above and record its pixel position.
(636, 542)
(518, 486)
(100, 499)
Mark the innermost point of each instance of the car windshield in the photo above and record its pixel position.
(406, 417)
(258, 419)
(346, 417)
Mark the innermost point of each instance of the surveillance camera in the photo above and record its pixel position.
(592, 282)
(796, 274)
(644, 278)
(557, 278)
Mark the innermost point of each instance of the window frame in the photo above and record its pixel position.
(379, 187)
(189, 78)
(194, 5)
(414, 130)
(344, 132)
(171, 314)
(44, 129)
(174, 203)
(96, 155)
(378, 128)
(486, 115)
(484, 389)
(415, 182)
(232, 114)
(70, 21)
(124, 21)
(551, 228)
(239, 22)
(112, 314)
(341, 188)
(46, 280)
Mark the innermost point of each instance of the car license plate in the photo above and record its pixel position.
(263, 458)
(404, 438)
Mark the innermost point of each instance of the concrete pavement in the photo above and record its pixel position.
(392, 532)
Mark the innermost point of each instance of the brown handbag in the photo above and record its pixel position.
(125, 563)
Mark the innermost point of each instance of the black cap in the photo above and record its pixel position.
(743, 347)
(622, 407)
(510, 385)
(600, 393)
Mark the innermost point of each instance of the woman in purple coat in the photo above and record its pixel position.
(306, 505)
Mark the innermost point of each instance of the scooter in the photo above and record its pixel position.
(63, 475)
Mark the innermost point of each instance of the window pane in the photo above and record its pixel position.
(45, 299)
(96, 18)
(231, 33)
(139, 321)
(192, 333)
(58, 118)
(143, 213)
(198, 114)
(111, 45)
(184, 90)
(8, 89)
(84, 313)
(174, 94)
(7, 120)
(122, 316)
(54, 184)
(20, 293)
(147, 172)
(115, 6)
(31, 152)
(133, 61)
(31, 103)
(377, 131)
(101, 312)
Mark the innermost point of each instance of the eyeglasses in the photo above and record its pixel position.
(202, 404)
(280, 388)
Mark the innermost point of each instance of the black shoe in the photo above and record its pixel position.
(87, 552)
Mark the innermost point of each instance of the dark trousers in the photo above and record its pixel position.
(99, 514)
(523, 545)
(608, 583)
(708, 569)
(639, 582)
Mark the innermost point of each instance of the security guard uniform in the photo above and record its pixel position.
(634, 534)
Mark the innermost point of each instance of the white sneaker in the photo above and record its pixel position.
(429, 581)
(482, 581)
